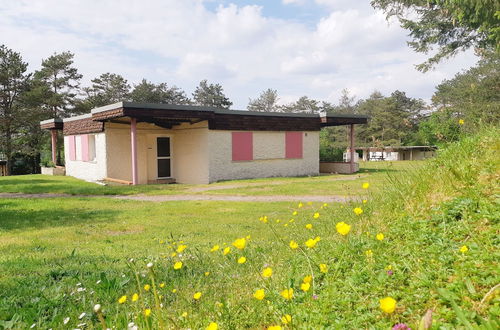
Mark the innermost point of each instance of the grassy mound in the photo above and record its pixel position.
(429, 241)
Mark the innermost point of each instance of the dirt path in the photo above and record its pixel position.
(171, 198)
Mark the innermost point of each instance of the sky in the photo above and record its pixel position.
(315, 48)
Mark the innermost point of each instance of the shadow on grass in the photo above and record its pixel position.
(21, 214)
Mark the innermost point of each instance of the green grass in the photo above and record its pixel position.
(49, 246)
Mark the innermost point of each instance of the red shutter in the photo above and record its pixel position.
(293, 142)
(242, 144)
(72, 147)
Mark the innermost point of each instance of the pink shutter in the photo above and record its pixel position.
(242, 144)
(293, 142)
(85, 147)
(72, 147)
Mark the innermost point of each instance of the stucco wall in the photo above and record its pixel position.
(269, 157)
(92, 170)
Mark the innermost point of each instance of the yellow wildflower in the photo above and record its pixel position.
(248, 237)
(464, 249)
(207, 273)
(316, 215)
(267, 272)
(369, 253)
(317, 238)
(365, 201)
(240, 243)
(174, 290)
(380, 236)
(307, 279)
(389, 267)
(278, 220)
(147, 287)
(366, 185)
(181, 248)
(325, 205)
(122, 299)
(343, 228)
(162, 285)
(215, 248)
(173, 254)
(300, 205)
(242, 260)
(293, 245)
(323, 268)
(147, 312)
(286, 319)
(295, 213)
(212, 326)
(291, 220)
(162, 242)
(135, 297)
(388, 305)
(185, 314)
(226, 251)
(461, 122)
(274, 327)
(311, 243)
(285, 225)
(358, 210)
(197, 296)
(287, 294)
(178, 265)
(259, 294)
(305, 287)
(263, 219)
(309, 226)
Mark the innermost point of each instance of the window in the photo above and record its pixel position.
(242, 146)
(293, 142)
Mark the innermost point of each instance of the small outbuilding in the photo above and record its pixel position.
(398, 153)
(154, 143)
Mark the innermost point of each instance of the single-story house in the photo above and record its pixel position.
(153, 143)
(398, 153)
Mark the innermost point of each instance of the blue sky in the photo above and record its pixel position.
(299, 47)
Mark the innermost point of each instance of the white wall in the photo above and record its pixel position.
(267, 147)
(89, 171)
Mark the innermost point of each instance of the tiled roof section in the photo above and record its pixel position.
(82, 126)
(52, 124)
(108, 114)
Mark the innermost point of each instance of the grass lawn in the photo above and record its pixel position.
(427, 238)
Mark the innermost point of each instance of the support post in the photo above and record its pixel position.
(53, 135)
(133, 141)
(351, 147)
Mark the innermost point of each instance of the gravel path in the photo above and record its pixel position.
(171, 198)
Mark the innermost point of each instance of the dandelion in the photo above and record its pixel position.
(295, 213)
(267, 272)
(358, 210)
(173, 254)
(380, 236)
(274, 327)
(369, 253)
(286, 319)
(248, 237)
(343, 228)
(464, 249)
(305, 287)
(291, 220)
(461, 122)
(259, 294)
(311, 243)
(263, 219)
(300, 205)
(178, 265)
(174, 290)
(207, 273)
(287, 294)
(214, 248)
(135, 297)
(307, 279)
(388, 305)
(212, 326)
(162, 284)
(185, 314)
(226, 251)
(147, 312)
(197, 296)
(147, 287)
(323, 268)
(325, 205)
(181, 248)
(242, 260)
(316, 215)
(240, 243)
(365, 201)
(317, 238)
(309, 226)
(293, 245)
(366, 185)
(278, 220)
(122, 299)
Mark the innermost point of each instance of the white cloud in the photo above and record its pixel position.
(182, 42)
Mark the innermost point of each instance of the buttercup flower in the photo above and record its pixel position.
(286, 319)
(207, 273)
(178, 265)
(323, 268)
(464, 249)
(380, 236)
(461, 121)
(267, 272)
(147, 287)
(287, 294)
(308, 278)
(369, 253)
(197, 296)
(135, 297)
(226, 251)
(181, 248)
(242, 260)
(295, 213)
(366, 185)
(215, 248)
(162, 285)
(122, 299)
(300, 205)
(212, 326)
(316, 215)
(365, 201)
(185, 314)
(263, 219)
(147, 312)
(309, 226)
(343, 228)
(305, 287)
(311, 243)
(259, 294)
(240, 243)
(274, 327)
(358, 210)
(388, 305)
(293, 245)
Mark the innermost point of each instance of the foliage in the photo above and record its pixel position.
(148, 92)
(211, 95)
(451, 26)
(267, 101)
(304, 104)
(106, 89)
